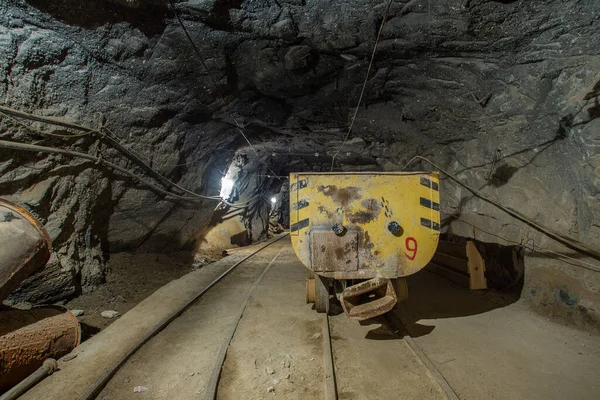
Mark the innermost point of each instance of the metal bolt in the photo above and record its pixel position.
(338, 228)
(394, 227)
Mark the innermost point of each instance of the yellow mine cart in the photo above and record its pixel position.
(360, 234)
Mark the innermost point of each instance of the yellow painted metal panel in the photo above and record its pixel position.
(367, 203)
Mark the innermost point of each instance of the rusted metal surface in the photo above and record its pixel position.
(368, 299)
(28, 337)
(395, 215)
(401, 289)
(24, 246)
(331, 252)
(365, 226)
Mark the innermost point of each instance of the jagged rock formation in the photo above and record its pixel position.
(490, 90)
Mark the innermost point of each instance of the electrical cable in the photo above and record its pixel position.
(566, 240)
(540, 250)
(8, 112)
(112, 141)
(233, 205)
(214, 83)
(49, 120)
(267, 176)
(385, 16)
(53, 150)
(149, 160)
(32, 129)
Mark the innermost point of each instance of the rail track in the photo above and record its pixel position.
(247, 334)
(94, 390)
(390, 325)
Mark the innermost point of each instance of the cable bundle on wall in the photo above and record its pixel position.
(559, 237)
(10, 112)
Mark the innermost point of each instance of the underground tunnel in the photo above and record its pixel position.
(353, 199)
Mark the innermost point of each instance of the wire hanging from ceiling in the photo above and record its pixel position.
(103, 137)
(214, 83)
(362, 91)
(549, 232)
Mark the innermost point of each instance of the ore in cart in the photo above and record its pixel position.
(361, 234)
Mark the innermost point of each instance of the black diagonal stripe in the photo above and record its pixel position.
(426, 223)
(429, 224)
(429, 204)
(299, 225)
(430, 184)
(299, 205)
(300, 185)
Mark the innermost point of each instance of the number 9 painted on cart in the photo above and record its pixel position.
(411, 246)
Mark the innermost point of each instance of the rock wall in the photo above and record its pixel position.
(132, 72)
(492, 91)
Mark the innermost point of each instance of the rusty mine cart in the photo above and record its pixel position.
(361, 234)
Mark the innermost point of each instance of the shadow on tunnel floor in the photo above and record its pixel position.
(431, 296)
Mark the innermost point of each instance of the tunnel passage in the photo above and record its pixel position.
(121, 120)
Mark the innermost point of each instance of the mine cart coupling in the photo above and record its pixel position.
(369, 299)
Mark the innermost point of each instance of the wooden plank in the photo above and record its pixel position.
(450, 274)
(456, 263)
(476, 266)
(454, 249)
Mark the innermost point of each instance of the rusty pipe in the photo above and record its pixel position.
(48, 367)
(28, 337)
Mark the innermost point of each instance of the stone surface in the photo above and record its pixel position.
(109, 314)
(492, 91)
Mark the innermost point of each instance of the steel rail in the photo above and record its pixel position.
(93, 390)
(396, 325)
(330, 383)
(213, 382)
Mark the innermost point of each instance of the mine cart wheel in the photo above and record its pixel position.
(310, 290)
(310, 286)
(401, 288)
(321, 294)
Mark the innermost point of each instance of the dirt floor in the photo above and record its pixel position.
(371, 362)
(131, 278)
(278, 345)
(177, 363)
(489, 345)
(485, 345)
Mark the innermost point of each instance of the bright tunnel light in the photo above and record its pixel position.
(273, 200)
(226, 187)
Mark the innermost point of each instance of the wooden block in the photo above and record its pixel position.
(459, 264)
(476, 266)
(450, 274)
(453, 249)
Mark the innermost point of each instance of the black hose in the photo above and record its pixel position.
(551, 233)
(53, 150)
(48, 367)
(101, 136)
